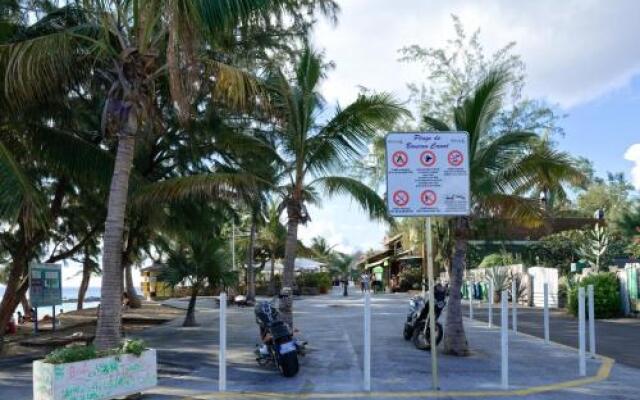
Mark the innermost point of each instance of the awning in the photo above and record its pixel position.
(405, 258)
(379, 262)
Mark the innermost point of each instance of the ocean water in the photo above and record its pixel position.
(69, 300)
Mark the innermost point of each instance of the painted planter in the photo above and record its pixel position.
(100, 378)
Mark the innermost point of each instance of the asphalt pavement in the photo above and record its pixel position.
(615, 338)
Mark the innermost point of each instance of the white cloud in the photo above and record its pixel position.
(633, 154)
(575, 50)
(344, 225)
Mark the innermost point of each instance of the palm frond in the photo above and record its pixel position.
(363, 195)
(345, 136)
(435, 124)
(18, 196)
(197, 187)
(48, 57)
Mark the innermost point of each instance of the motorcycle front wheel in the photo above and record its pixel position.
(288, 364)
(422, 341)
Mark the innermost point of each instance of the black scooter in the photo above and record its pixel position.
(416, 328)
(278, 344)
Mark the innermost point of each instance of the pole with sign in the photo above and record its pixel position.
(45, 288)
(428, 176)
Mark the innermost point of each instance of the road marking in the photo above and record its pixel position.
(603, 373)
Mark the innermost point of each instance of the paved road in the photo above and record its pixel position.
(617, 338)
(333, 326)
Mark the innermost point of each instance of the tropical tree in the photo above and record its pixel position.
(311, 150)
(498, 171)
(132, 48)
(272, 236)
(342, 264)
(321, 249)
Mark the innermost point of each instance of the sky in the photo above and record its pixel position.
(582, 55)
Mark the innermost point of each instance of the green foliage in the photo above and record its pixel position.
(320, 280)
(497, 260)
(71, 354)
(612, 195)
(500, 278)
(410, 279)
(560, 249)
(597, 242)
(606, 294)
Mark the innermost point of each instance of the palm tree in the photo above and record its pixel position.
(312, 151)
(342, 264)
(273, 236)
(500, 167)
(131, 47)
(550, 171)
(321, 249)
(198, 259)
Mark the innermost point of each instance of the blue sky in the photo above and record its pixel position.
(580, 54)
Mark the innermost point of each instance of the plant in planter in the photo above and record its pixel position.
(82, 372)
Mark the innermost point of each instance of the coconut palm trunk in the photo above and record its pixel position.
(15, 289)
(109, 317)
(251, 276)
(272, 280)
(190, 318)
(290, 249)
(455, 340)
(84, 285)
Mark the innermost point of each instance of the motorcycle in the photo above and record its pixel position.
(416, 327)
(279, 346)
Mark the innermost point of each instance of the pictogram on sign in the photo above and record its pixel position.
(399, 159)
(428, 197)
(400, 198)
(455, 158)
(428, 158)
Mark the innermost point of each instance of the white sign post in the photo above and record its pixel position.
(428, 176)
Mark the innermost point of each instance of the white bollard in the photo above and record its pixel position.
(367, 341)
(514, 306)
(490, 304)
(504, 340)
(222, 357)
(582, 362)
(592, 322)
(546, 313)
(470, 300)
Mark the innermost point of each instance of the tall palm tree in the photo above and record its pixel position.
(131, 47)
(500, 167)
(273, 236)
(342, 264)
(312, 150)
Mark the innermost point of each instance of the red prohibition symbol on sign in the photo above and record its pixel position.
(455, 158)
(428, 197)
(428, 158)
(400, 198)
(399, 159)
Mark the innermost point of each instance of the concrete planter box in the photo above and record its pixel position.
(100, 378)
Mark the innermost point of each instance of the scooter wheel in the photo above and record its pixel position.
(407, 333)
(288, 364)
(422, 341)
(419, 339)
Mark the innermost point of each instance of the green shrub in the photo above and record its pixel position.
(71, 354)
(319, 280)
(606, 294)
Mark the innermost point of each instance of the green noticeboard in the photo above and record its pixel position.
(45, 284)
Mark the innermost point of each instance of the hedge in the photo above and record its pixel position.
(606, 295)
